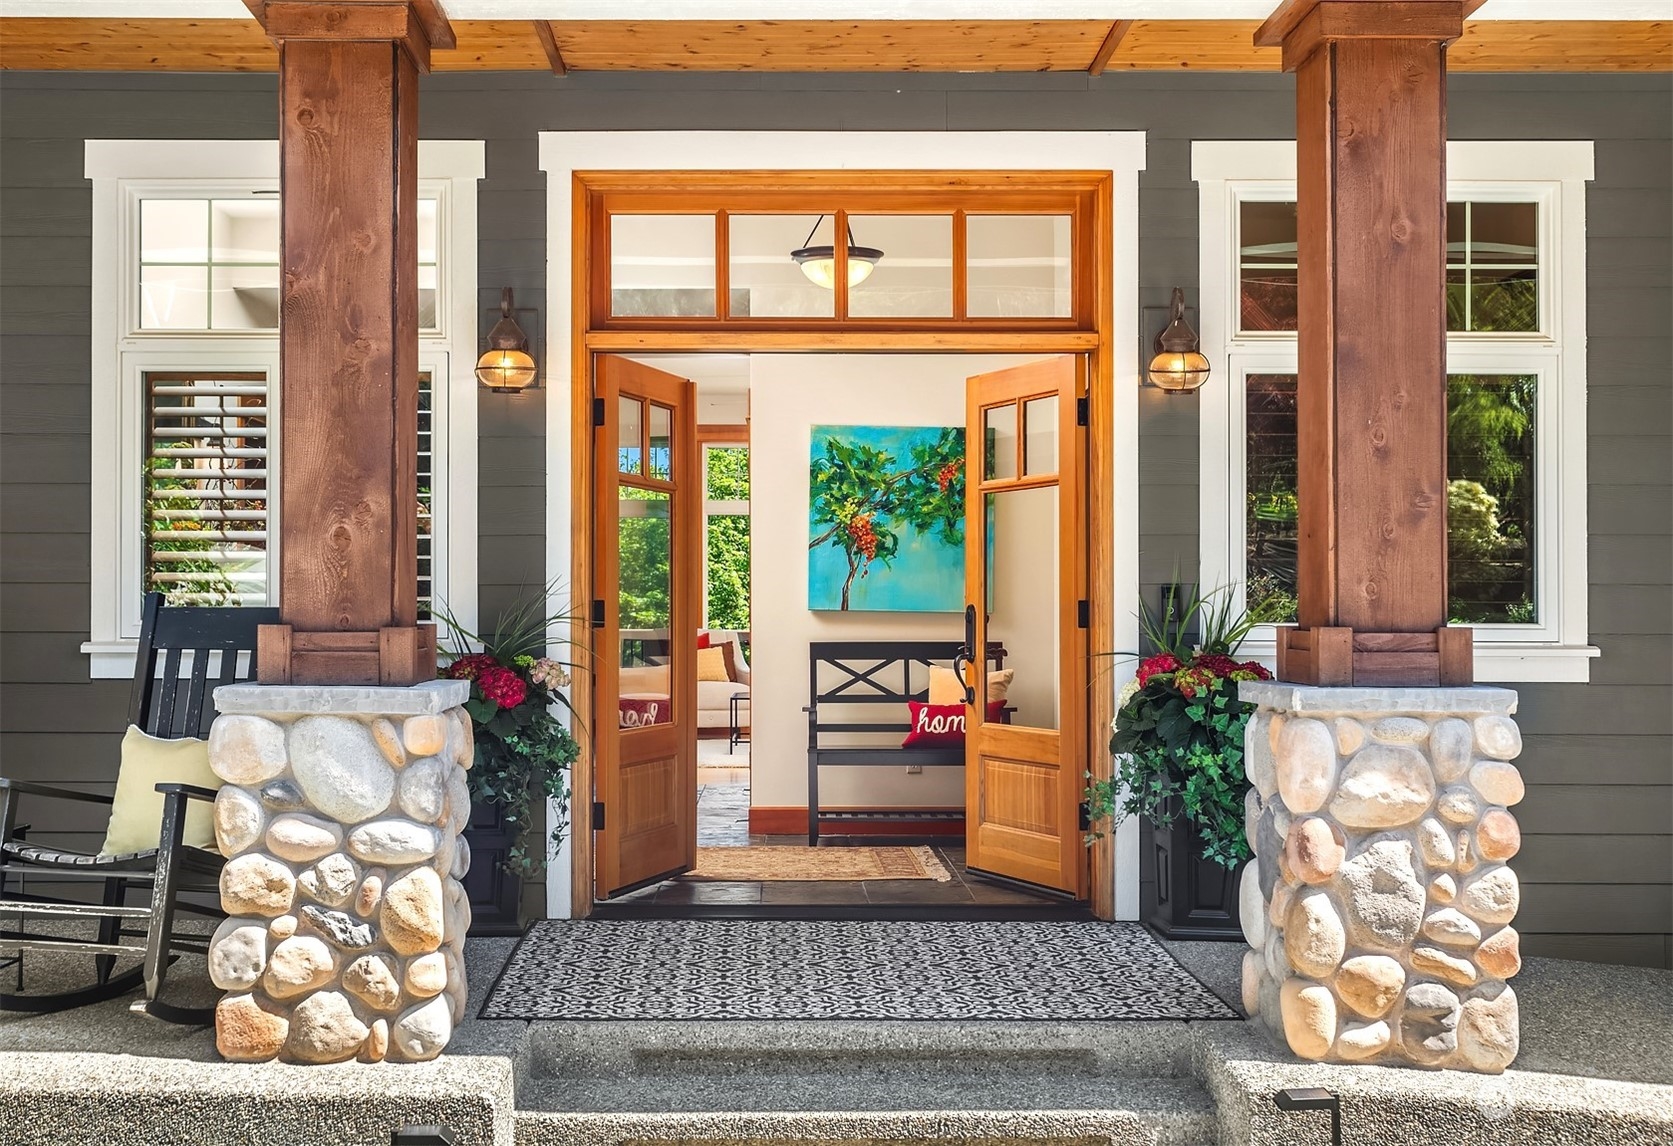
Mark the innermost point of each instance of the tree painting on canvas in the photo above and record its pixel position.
(886, 518)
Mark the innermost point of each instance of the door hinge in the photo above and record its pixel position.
(1083, 614)
(598, 614)
(1082, 410)
(598, 412)
(598, 815)
(1085, 816)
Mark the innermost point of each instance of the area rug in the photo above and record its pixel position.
(721, 969)
(762, 864)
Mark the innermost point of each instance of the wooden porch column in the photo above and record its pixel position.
(1371, 420)
(348, 338)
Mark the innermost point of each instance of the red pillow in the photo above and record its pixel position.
(942, 725)
(702, 640)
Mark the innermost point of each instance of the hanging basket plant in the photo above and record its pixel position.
(523, 749)
(1178, 734)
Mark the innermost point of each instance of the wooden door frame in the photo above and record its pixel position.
(1113, 375)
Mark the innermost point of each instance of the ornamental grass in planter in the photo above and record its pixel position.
(1178, 747)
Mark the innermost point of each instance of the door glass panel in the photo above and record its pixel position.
(630, 449)
(662, 442)
(1267, 266)
(1000, 444)
(662, 265)
(765, 281)
(1020, 266)
(645, 538)
(914, 276)
(1022, 593)
(1039, 416)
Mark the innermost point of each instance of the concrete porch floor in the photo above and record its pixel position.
(1594, 1068)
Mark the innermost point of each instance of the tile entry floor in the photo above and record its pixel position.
(723, 821)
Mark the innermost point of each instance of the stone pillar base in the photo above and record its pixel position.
(340, 821)
(1379, 902)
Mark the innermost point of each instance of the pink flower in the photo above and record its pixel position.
(1155, 666)
(502, 686)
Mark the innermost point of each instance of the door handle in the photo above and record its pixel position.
(965, 657)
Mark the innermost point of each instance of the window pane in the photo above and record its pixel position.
(429, 231)
(427, 314)
(1490, 498)
(727, 575)
(245, 230)
(914, 278)
(244, 298)
(662, 442)
(205, 488)
(1020, 266)
(645, 538)
(1040, 442)
(1271, 502)
(728, 473)
(1504, 233)
(1267, 266)
(630, 458)
(1001, 444)
(173, 231)
(173, 298)
(1503, 300)
(1492, 252)
(662, 265)
(1022, 598)
(765, 281)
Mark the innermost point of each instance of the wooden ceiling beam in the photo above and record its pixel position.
(1112, 41)
(548, 37)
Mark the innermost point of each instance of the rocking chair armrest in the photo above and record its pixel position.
(29, 788)
(189, 791)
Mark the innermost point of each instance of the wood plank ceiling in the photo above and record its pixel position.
(1094, 46)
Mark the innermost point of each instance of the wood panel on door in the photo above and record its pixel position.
(1025, 573)
(646, 505)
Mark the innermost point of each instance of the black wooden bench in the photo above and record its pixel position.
(858, 678)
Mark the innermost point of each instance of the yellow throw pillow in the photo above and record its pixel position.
(711, 664)
(945, 687)
(136, 816)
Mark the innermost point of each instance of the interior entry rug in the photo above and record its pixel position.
(729, 969)
(756, 865)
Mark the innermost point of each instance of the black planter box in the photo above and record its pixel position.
(494, 892)
(1191, 897)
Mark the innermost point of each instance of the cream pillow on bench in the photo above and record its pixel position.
(136, 811)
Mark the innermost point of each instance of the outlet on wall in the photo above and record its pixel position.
(914, 769)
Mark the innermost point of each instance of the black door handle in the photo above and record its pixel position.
(965, 658)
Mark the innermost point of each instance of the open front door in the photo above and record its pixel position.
(646, 505)
(1025, 562)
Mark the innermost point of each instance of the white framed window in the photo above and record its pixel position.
(186, 391)
(1516, 366)
(726, 542)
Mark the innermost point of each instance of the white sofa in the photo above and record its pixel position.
(714, 697)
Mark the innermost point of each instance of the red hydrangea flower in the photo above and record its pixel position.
(1255, 669)
(471, 666)
(1216, 663)
(502, 686)
(1194, 681)
(1155, 666)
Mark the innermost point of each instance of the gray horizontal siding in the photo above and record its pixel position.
(1598, 759)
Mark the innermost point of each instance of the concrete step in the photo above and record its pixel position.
(993, 1084)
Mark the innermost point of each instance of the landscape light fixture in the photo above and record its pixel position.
(1178, 365)
(1313, 1098)
(819, 263)
(506, 365)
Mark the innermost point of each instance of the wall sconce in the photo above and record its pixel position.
(507, 365)
(1178, 365)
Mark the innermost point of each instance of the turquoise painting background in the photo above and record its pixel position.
(925, 576)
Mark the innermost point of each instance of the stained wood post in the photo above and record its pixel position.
(1371, 391)
(348, 341)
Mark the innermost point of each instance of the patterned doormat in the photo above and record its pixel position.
(708, 970)
(763, 864)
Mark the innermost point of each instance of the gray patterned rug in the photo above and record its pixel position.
(707, 970)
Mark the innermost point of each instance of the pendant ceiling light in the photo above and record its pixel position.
(819, 263)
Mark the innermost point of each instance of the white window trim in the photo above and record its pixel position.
(1556, 173)
(123, 169)
(1122, 153)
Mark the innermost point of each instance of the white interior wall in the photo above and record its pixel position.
(789, 394)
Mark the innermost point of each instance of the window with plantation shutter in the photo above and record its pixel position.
(426, 494)
(205, 487)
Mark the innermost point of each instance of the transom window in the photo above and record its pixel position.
(908, 258)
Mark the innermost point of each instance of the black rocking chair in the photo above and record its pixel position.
(167, 704)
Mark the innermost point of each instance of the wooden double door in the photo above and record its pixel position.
(1025, 588)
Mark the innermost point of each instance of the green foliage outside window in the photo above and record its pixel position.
(726, 561)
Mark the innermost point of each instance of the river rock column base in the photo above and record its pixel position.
(1379, 902)
(340, 821)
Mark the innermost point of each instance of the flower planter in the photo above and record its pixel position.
(1190, 897)
(494, 891)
